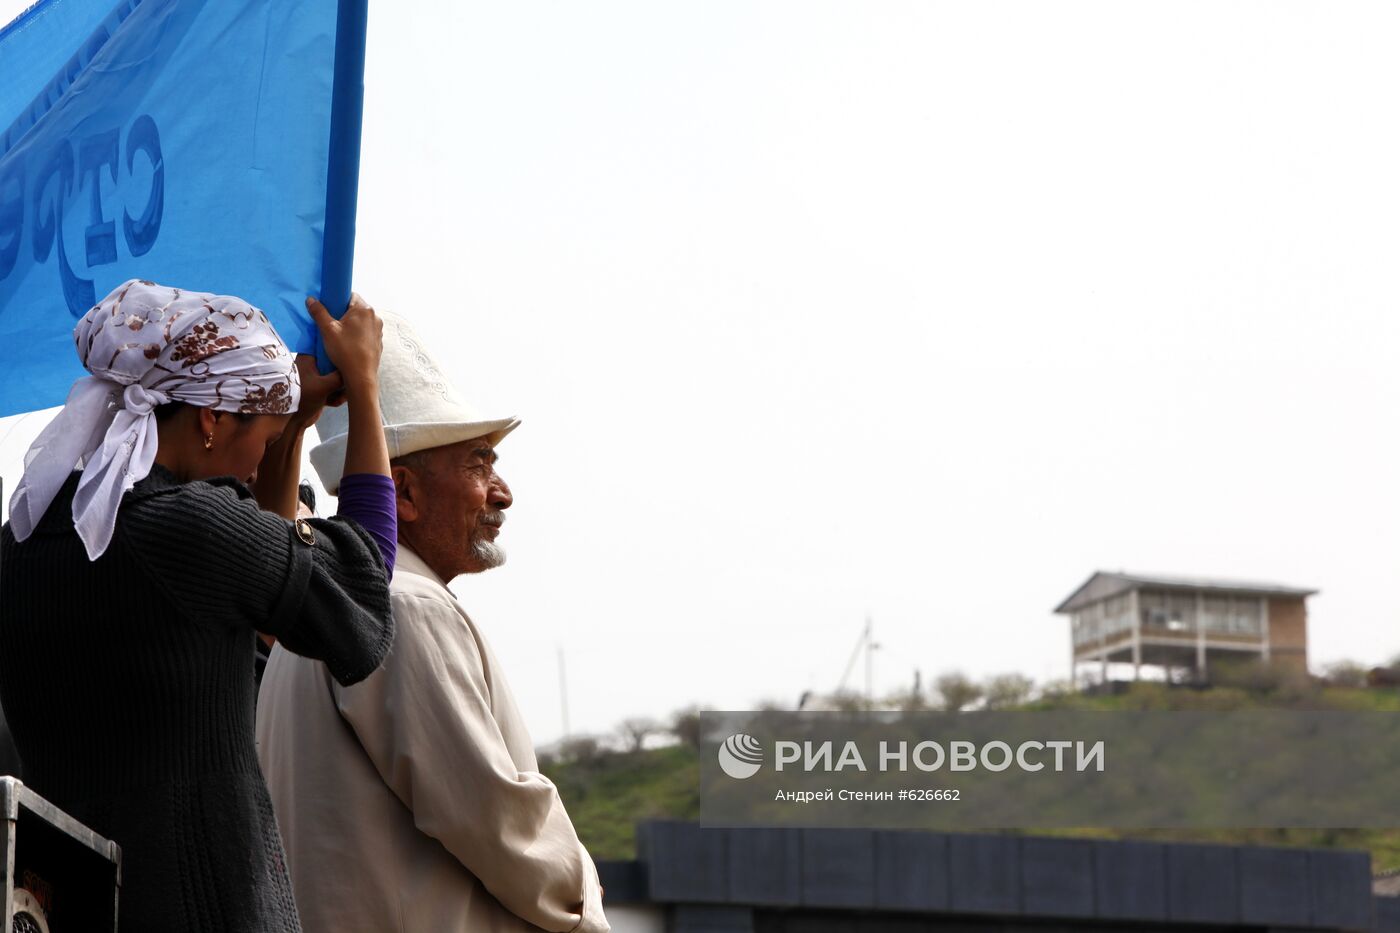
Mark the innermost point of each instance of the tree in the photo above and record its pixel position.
(1056, 690)
(1345, 674)
(845, 701)
(908, 700)
(1261, 678)
(1006, 690)
(685, 726)
(955, 691)
(635, 730)
(584, 749)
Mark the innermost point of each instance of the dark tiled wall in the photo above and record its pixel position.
(1110, 884)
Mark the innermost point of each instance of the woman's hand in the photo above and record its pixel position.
(353, 343)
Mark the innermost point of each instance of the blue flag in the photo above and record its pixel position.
(212, 145)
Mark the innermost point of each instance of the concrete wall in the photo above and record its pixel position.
(1288, 633)
(792, 880)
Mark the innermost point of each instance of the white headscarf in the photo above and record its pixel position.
(146, 345)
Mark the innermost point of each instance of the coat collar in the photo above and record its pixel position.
(160, 480)
(407, 561)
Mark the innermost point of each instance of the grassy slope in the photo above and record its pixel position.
(607, 796)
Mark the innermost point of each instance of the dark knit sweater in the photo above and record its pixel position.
(127, 682)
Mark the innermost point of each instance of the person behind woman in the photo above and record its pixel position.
(306, 508)
(131, 589)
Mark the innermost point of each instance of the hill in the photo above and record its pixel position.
(608, 792)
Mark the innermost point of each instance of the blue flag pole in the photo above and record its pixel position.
(343, 178)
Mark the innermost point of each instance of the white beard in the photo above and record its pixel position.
(488, 554)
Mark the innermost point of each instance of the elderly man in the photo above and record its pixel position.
(412, 801)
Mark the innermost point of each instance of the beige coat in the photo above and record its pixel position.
(412, 801)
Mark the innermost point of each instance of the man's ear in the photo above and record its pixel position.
(405, 492)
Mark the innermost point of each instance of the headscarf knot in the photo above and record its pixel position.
(138, 400)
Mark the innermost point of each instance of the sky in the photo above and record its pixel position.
(921, 311)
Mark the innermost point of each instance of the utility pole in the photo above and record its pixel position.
(870, 647)
(865, 643)
(563, 693)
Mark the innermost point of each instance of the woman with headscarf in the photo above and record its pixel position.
(137, 566)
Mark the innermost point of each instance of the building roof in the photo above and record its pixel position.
(1103, 583)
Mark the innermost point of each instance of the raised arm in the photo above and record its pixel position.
(354, 344)
(321, 590)
(279, 473)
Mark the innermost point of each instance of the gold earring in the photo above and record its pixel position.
(208, 442)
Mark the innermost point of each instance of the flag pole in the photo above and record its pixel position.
(343, 162)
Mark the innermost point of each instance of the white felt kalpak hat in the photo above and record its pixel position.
(420, 407)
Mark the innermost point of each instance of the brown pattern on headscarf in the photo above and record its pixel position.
(202, 342)
(173, 362)
(274, 400)
(240, 319)
(149, 350)
(170, 323)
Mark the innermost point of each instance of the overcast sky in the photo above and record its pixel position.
(918, 309)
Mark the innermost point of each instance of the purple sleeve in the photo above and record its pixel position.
(369, 499)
